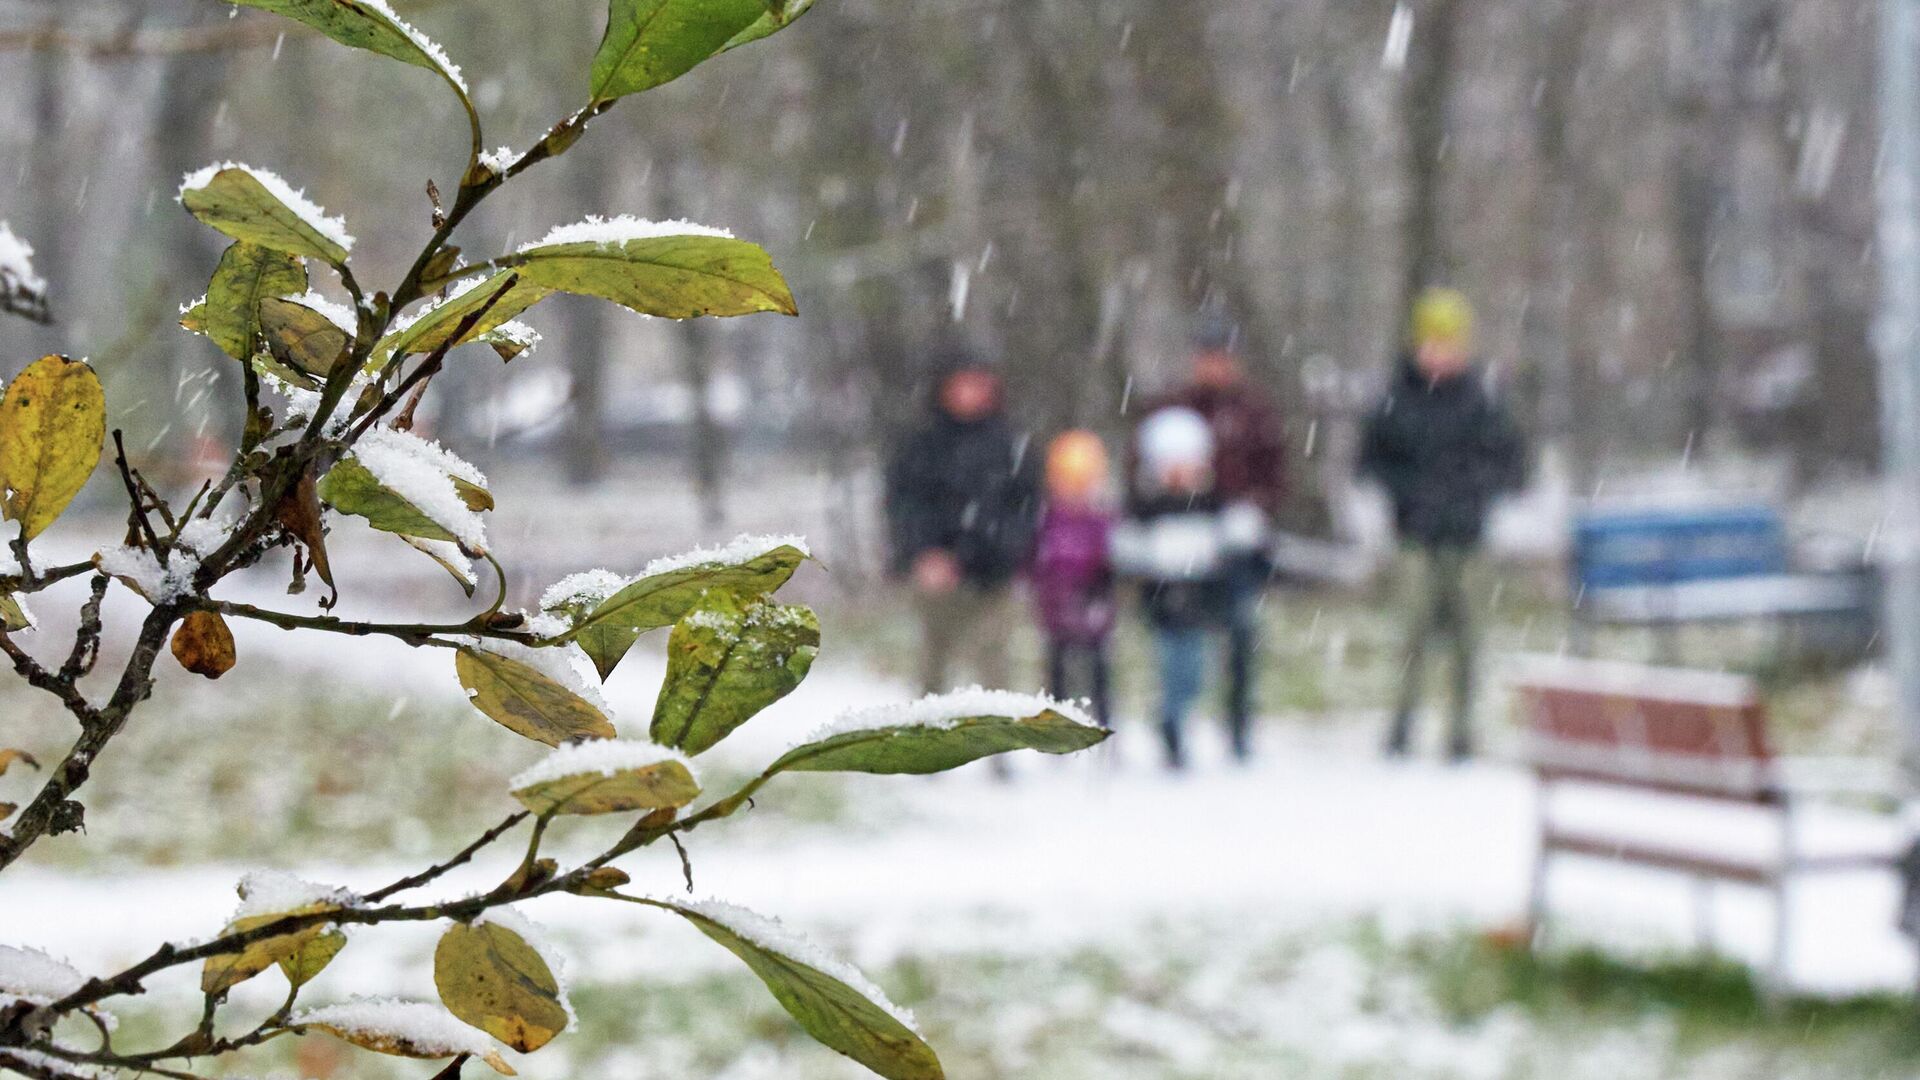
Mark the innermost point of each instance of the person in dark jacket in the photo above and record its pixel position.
(1249, 483)
(962, 499)
(1444, 448)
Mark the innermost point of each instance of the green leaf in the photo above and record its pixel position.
(725, 663)
(606, 630)
(526, 701)
(236, 202)
(351, 489)
(769, 23)
(932, 748)
(302, 338)
(449, 557)
(362, 25)
(53, 422)
(248, 276)
(650, 42)
(672, 277)
(607, 777)
(490, 977)
(509, 294)
(832, 1002)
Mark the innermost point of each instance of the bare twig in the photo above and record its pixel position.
(465, 854)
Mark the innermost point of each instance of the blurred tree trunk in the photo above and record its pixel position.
(1426, 89)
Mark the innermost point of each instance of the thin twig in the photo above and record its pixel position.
(413, 881)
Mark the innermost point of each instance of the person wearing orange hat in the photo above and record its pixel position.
(1072, 570)
(1444, 448)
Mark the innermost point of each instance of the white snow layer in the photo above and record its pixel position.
(294, 199)
(35, 976)
(404, 322)
(425, 44)
(271, 892)
(422, 472)
(514, 332)
(139, 568)
(424, 1027)
(606, 757)
(49, 1064)
(769, 934)
(740, 549)
(16, 262)
(338, 314)
(584, 589)
(946, 710)
(498, 159)
(618, 230)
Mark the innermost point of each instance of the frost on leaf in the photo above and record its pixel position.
(828, 997)
(607, 776)
(22, 292)
(412, 1029)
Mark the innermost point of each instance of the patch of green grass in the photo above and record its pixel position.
(1708, 999)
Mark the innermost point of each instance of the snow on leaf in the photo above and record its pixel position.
(609, 232)
(828, 997)
(255, 204)
(604, 776)
(405, 484)
(942, 731)
(141, 571)
(414, 1029)
(370, 25)
(22, 291)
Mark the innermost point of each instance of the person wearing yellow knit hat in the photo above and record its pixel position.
(1444, 448)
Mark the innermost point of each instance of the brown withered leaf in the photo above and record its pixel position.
(204, 645)
(8, 756)
(299, 514)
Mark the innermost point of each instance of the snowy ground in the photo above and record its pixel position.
(1094, 917)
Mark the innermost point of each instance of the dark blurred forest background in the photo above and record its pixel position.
(1663, 209)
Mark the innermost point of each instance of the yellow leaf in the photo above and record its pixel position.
(490, 977)
(9, 756)
(228, 970)
(53, 422)
(312, 956)
(526, 701)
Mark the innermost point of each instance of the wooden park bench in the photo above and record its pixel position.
(1703, 793)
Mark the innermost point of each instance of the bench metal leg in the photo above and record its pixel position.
(1777, 973)
(1703, 936)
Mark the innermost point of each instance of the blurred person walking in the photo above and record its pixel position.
(1248, 477)
(1444, 448)
(962, 497)
(1072, 571)
(1186, 544)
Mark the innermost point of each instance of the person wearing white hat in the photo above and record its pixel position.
(1184, 543)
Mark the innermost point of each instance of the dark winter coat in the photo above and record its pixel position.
(1173, 545)
(1249, 442)
(1072, 574)
(1443, 450)
(970, 489)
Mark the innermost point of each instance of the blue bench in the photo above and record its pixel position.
(1653, 567)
